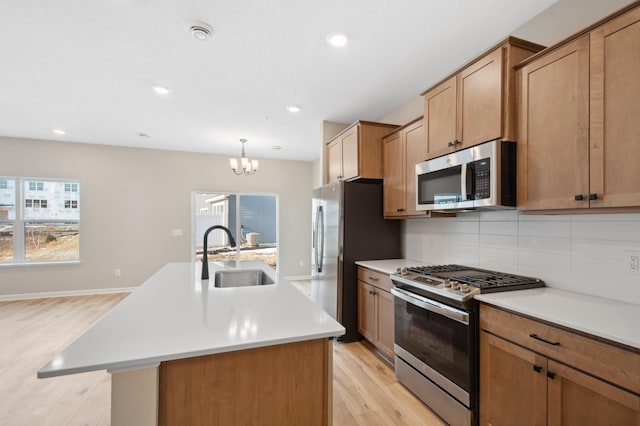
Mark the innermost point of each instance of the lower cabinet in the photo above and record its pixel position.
(574, 381)
(375, 310)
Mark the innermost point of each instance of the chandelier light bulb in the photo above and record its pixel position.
(248, 167)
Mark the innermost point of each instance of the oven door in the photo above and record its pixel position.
(438, 341)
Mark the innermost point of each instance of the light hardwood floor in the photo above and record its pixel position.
(34, 331)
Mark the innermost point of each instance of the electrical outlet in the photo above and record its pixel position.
(176, 232)
(116, 272)
(632, 262)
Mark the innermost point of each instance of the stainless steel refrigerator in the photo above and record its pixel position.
(348, 225)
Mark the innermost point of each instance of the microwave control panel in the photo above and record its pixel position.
(482, 178)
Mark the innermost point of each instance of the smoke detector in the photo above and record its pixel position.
(202, 32)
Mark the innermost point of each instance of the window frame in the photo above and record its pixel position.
(20, 222)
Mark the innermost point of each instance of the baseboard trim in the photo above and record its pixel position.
(47, 295)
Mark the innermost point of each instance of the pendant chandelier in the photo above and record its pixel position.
(248, 167)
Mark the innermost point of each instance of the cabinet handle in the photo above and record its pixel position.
(551, 375)
(374, 278)
(578, 197)
(535, 336)
(456, 142)
(537, 368)
(593, 196)
(450, 143)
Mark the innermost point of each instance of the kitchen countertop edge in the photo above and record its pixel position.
(388, 266)
(576, 311)
(276, 328)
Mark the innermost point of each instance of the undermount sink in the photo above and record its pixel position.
(241, 278)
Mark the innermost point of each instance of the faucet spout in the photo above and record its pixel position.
(205, 262)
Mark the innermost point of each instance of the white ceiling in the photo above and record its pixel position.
(88, 67)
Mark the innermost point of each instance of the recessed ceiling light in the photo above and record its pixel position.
(161, 90)
(293, 108)
(276, 147)
(59, 132)
(202, 32)
(337, 40)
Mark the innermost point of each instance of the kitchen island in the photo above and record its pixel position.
(181, 349)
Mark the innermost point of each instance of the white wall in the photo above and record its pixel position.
(582, 253)
(132, 198)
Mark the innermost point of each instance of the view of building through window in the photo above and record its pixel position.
(251, 218)
(39, 220)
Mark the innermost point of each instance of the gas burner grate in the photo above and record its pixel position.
(496, 280)
(435, 269)
(486, 281)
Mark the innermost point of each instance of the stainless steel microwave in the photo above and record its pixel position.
(480, 177)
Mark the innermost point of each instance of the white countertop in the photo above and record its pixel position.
(608, 319)
(388, 266)
(174, 315)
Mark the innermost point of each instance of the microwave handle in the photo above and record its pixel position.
(463, 182)
(467, 181)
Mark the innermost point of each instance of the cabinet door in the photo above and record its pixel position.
(416, 151)
(386, 333)
(334, 153)
(578, 399)
(615, 109)
(394, 177)
(440, 118)
(512, 391)
(350, 158)
(480, 101)
(366, 311)
(553, 148)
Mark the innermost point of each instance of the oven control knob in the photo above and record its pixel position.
(447, 283)
(465, 288)
(455, 285)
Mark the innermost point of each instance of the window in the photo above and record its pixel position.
(36, 186)
(36, 204)
(39, 220)
(251, 218)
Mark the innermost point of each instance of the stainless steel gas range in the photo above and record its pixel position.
(436, 333)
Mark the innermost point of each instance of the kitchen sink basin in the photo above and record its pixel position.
(241, 278)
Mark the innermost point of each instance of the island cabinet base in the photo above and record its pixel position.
(288, 384)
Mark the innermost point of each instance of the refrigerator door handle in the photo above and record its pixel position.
(320, 226)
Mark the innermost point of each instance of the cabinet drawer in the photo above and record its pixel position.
(375, 278)
(609, 362)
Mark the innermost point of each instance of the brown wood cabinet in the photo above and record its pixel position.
(579, 137)
(532, 373)
(401, 151)
(277, 385)
(356, 152)
(477, 103)
(375, 310)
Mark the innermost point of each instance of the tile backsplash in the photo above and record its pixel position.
(581, 253)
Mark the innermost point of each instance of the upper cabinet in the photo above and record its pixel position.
(579, 140)
(477, 103)
(401, 151)
(356, 152)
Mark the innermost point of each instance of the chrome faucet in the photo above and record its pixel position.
(205, 262)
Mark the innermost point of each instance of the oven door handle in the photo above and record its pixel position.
(431, 305)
